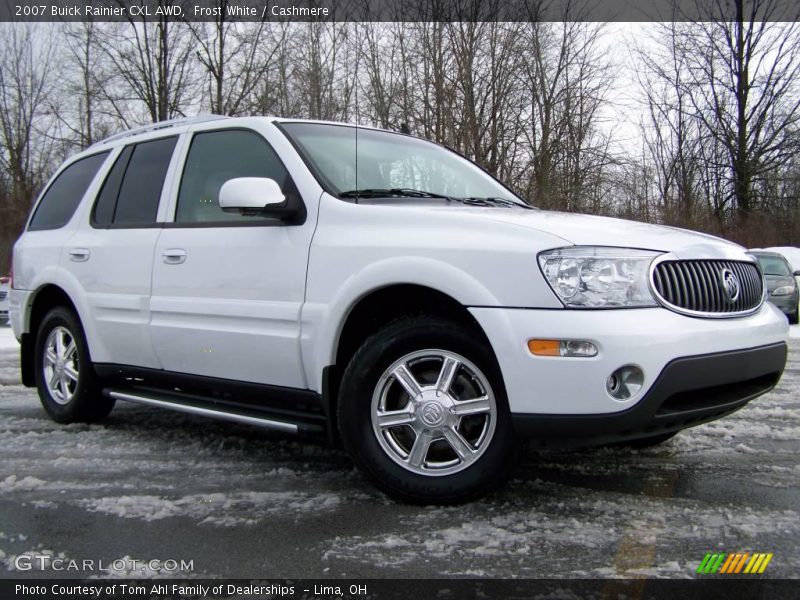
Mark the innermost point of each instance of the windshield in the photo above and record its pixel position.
(773, 265)
(380, 163)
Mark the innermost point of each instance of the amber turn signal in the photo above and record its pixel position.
(545, 347)
(574, 348)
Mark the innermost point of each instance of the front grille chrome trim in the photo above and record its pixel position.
(686, 281)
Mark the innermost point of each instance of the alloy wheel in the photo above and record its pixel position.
(433, 412)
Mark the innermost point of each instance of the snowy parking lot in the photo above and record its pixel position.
(240, 502)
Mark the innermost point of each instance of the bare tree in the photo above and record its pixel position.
(325, 70)
(384, 92)
(26, 149)
(670, 132)
(743, 85)
(312, 72)
(153, 67)
(80, 108)
(236, 58)
(565, 80)
(487, 117)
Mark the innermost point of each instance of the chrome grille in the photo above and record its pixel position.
(697, 286)
(3, 294)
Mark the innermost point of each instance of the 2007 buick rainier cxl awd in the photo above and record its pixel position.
(378, 289)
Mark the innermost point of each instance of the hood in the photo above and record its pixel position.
(587, 230)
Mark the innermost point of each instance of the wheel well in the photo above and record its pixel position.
(387, 304)
(45, 299)
(377, 309)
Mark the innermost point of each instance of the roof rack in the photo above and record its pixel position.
(161, 125)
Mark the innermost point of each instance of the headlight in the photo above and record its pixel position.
(784, 290)
(598, 277)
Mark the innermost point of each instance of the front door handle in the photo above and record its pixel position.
(79, 254)
(174, 256)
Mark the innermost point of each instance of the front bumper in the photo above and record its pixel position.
(688, 392)
(649, 338)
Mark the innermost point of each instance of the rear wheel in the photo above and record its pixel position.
(66, 382)
(423, 413)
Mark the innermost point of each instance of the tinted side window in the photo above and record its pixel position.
(62, 198)
(214, 158)
(137, 202)
(106, 203)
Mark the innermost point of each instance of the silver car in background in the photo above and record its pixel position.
(4, 285)
(792, 255)
(781, 285)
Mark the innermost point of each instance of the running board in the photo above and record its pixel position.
(221, 415)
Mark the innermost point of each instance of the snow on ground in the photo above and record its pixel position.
(7, 339)
(215, 508)
(241, 502)
(9, 348)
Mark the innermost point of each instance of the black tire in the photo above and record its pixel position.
(648, 442)
(794, 317)
(364, 372)
(86, 402)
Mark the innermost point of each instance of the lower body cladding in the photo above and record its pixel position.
(688, 370)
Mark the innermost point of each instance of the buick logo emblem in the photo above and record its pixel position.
(730, 283)
(432, 414)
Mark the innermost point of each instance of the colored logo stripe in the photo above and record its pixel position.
(711, 562)
(758, 563)
(740, 563)
(737, 562)
(728, 562)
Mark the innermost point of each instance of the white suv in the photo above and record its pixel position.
(379, 289)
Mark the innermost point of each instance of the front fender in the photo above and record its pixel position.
(322, 322)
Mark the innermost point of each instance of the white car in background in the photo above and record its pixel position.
(380, 289)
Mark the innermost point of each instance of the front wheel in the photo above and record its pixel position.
(65, 379)
(793, 318)
(423, 413)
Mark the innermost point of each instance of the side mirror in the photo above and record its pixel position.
(796, 273)
(253, 196)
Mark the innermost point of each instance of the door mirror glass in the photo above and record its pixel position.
(250, 195)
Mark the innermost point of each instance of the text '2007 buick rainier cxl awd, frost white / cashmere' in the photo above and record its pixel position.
(378, 289)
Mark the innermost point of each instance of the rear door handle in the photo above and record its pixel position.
(174, 256)
(79, 254)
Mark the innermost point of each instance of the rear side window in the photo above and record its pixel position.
(132, 190)
(62, 198)
(103, 213)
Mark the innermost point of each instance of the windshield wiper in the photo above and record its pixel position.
(412, 193)
(490, 201)
(392, 192)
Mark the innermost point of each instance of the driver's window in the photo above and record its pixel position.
(214, 158)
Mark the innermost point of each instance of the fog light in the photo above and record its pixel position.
(625, 382)
(575, 348)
